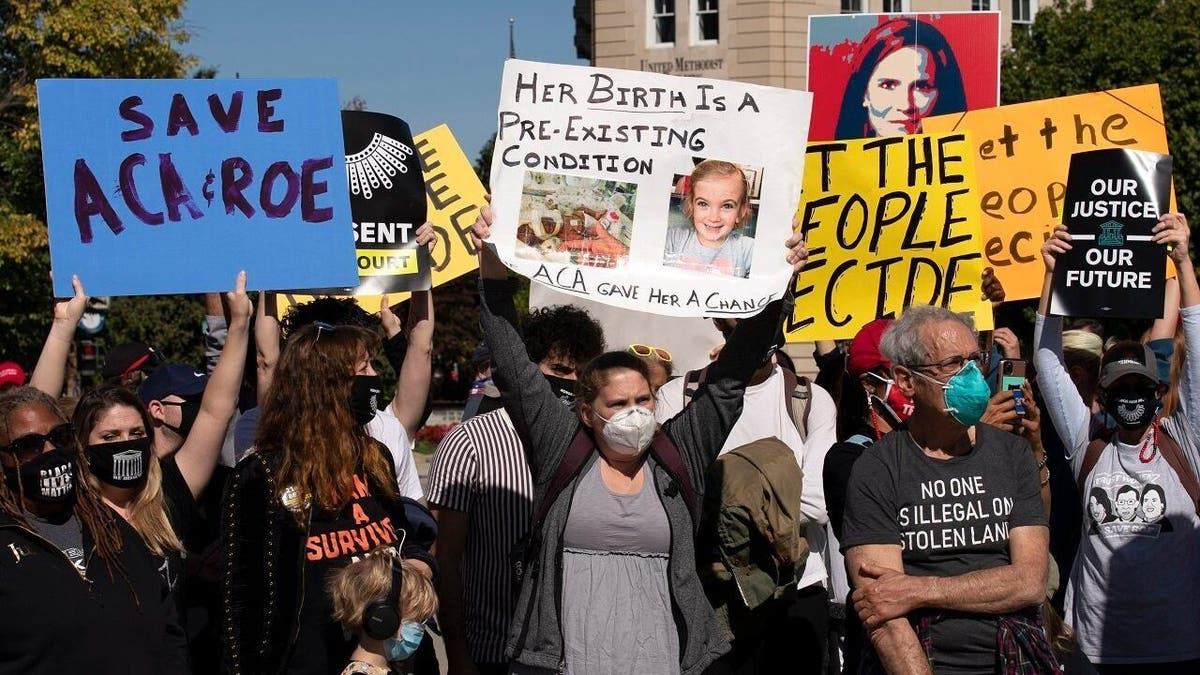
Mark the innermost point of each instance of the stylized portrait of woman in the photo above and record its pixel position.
(903, 71)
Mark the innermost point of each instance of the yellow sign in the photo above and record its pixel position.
(454, 195)
(890, 222)
(1022, 154)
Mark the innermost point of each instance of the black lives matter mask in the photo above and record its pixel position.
(48, 478)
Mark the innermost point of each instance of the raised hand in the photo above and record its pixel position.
(993, 290)
(70, 311)
(240, 305)
(426, 236)
(391, 322)
(1058, 243)
(797, 252)
(1172, 229)
(1010, 347)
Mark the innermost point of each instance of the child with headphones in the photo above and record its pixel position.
(384, 601)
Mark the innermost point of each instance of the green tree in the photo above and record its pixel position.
(56, 39)
(1076, 47)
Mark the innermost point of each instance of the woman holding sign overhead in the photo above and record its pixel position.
(1137, 574)
(608, 577)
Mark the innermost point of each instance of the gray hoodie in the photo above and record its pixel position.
(547, 428)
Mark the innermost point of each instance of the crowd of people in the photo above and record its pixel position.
(908, 510)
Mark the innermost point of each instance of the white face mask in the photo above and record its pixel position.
(629, 431)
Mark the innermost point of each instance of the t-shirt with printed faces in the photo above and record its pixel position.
(732, 258)
(950, 517)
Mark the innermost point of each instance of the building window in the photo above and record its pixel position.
(854, 6)
(894, 6)
(1022, 13)
(981, 5)
(707, 27)
(662, 22)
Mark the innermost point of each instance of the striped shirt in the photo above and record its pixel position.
(480, 469)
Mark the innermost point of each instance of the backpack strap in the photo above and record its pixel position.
(577, 453)
(691, 383)
(667, 454)
(1090, 457)
(797, 392)
(1175, 459)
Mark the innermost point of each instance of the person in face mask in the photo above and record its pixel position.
(316, 493)
(608, 578)
(81, 591)
(151, 494)
(946, 517)
(384, 602)
(1143, 449)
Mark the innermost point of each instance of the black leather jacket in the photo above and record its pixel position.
(262, 572)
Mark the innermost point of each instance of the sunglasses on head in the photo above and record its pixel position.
(30, 445)
(645, 351)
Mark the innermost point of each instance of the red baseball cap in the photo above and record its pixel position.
(864, 353)
(12, 373)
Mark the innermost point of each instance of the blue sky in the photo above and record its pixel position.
(426, 61)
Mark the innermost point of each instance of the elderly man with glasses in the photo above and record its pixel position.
(945, 535)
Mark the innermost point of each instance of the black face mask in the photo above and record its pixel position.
(1131, 409)
(189, 409)
(121, 464)
(563, 388)
(48, 478)
(364, 398)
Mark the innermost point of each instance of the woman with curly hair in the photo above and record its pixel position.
(81, 591)
(314, 493)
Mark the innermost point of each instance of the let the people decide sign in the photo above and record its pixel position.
(172, 186)
(664, 194)
(1113, 200)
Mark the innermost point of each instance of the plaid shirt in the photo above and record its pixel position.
(1021, 644)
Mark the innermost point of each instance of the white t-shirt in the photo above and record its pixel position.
(388, 430)
(1133, 588)
(764, 414)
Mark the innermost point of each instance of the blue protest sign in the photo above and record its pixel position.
(172, 186)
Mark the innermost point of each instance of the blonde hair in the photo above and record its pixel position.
(713, 168)
(369, 580)
(148, 515)
(1083, 341)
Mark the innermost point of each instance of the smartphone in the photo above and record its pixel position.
(1019, 400)
(1012, 374)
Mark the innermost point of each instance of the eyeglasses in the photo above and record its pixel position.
(30, 445)
(954, 363)
(320, 326)
(645, 351)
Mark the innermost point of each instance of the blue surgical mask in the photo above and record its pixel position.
(402, 647)
(967, 394)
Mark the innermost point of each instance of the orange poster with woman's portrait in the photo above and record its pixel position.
(882, 74)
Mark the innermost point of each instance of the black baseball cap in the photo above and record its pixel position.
(123, 360)
(172, 378)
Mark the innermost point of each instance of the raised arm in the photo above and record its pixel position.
(51, 367)
(1071, 415)
(701, 428)
(198, 455)
(544, 424)
(215, 330)
(266, 342)
(416, 372)
(1174, 231)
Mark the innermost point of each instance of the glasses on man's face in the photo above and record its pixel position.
(29, 446)
(954, 363)
(646, 351)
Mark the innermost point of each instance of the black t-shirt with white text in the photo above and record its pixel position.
(950, 517)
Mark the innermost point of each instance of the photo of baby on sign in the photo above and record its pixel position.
(576, 220)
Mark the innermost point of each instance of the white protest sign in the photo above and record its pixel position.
(663, 194)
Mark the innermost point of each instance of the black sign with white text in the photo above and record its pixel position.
(1114, 269)
(387, 201)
